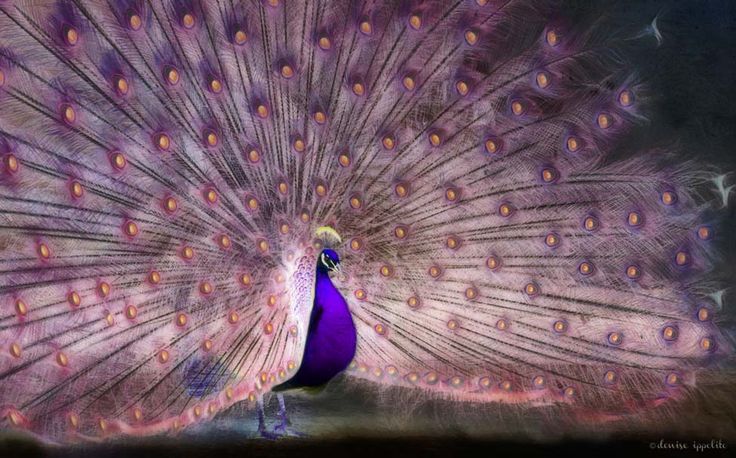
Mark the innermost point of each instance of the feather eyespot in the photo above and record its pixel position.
(560, 326)
(707, 344)
(435, 138)
(471, 37)
(386, 271)
(261, 110)
(253, 155)
(11, 163)
(162, 141)
(68, 113)
(70, 35)
(672, 379)
(492, 145)
(154, 277)
(670, 333)
(117, 160)
(452, 194)
(682, 258)
(319, 117)
(586, 268)
(134, 20)
(163, 356)
(169, 204)
(131, 312)
(552, 240)
(633, 272)
(239, 37)
(493, 262)
(210, 138)
(591, 223)
(187, 253)
(408, 82)
(610, 377)
(358, 88)
(573, 144)
(505, 210)
(130, 228)
(286, 71)
(120, 84)
(324, 43)
(298, 144)
(365, 27)
(615, 338)
(552, 38)
(356, 201)
(531, 289)
(604, 120)
(669, 198)
(171, 75)
(453, 242)
(21, 309)
(74, 299)
(210, 195)
(344, 159)
(415, 21)
(518, 107)
(625, 98)
(401, 231)
(462, 87)
(549, 175)
(402, 189)
(634, 219)
(320, 189)
(542, 79)
(214, 85)
(389, 142)
(435, 271)
(188, 20)
(705, 232)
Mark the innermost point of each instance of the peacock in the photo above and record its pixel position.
(205, 202)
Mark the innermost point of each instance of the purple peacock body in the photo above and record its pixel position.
(331, 336)
(165, 170)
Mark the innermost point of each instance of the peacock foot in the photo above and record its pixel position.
(285, 430)
(282, 429)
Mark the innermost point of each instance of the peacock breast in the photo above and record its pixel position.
(332, 338)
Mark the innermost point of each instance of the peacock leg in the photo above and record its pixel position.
(284, 427)
(262, 421)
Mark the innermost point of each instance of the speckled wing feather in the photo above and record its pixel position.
(165, 166)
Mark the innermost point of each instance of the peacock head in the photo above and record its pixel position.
(328, 261)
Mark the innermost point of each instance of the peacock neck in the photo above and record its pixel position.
(325, 289)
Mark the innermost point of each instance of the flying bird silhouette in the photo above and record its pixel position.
(205, 202)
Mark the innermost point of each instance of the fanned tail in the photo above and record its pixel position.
(165, 166)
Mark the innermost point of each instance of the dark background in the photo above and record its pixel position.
(691, 76)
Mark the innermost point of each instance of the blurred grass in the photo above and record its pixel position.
(360, 421)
